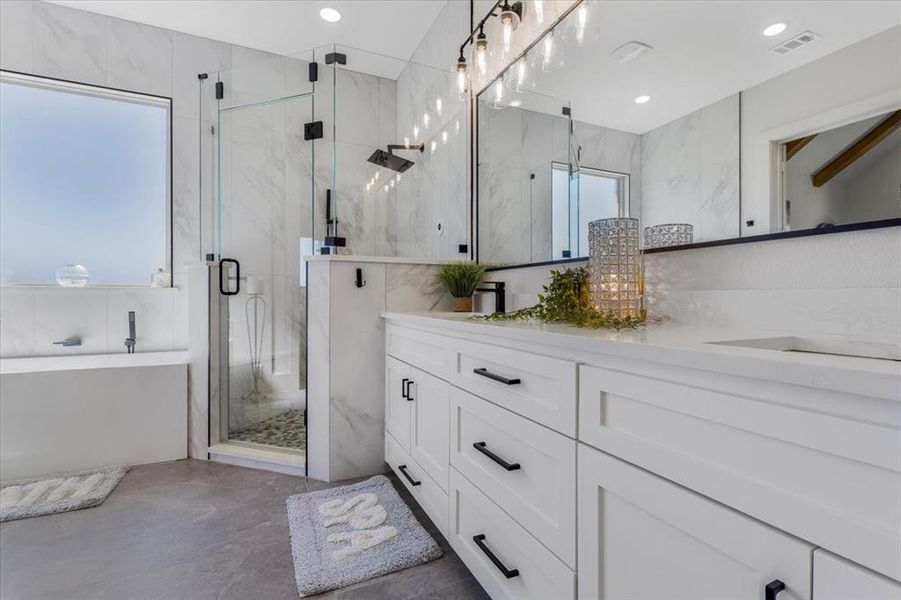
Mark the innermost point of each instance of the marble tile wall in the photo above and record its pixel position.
(347, 368)
(690, 172)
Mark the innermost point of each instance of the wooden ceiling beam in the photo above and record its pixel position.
(864, 144)
(794, 146)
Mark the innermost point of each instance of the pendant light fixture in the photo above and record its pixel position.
(482, 52)
(462, 79)
(509, 22)
(581, 27)
(510, 16)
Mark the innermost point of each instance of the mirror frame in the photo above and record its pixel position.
(765, 237)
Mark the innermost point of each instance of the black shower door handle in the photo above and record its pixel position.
(222, 279)
(772, 589)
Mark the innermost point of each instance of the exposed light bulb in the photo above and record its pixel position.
(461, 83)
(498, 90)
(538, 8)
(506, 37)
(482, 52)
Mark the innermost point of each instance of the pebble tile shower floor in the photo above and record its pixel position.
(193, 530)
(284, 430)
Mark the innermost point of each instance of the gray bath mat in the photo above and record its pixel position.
(57, 493)
(348, 534)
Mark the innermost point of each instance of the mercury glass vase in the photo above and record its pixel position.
(614, 264)
(668, 234)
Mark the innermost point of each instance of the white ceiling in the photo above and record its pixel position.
(289, 27)
(703, 52)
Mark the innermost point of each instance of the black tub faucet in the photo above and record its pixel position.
(130, 340)
(500, 294)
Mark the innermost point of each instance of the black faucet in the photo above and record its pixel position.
(500, 295)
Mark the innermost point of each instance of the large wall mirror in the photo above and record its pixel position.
(736, 119)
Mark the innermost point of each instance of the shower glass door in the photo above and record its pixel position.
(263, 223)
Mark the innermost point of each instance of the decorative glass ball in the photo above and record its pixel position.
(72, 276)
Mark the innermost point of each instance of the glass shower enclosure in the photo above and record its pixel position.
(263, 225)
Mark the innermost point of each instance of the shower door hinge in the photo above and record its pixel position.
(220, 90)
(567, 111)
(335, 57)
(312, 131)
(314, 71)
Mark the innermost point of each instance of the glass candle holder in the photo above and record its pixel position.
(668, 234)
(614, 264)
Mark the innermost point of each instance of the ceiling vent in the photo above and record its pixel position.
(630, 51)
(800, 40)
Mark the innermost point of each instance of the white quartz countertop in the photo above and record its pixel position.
(691, 347)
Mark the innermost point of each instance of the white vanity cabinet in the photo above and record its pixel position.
(641, 536)
(558, 468)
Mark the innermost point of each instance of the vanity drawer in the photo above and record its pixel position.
(427, 351)
(831, 480)
(530, 471)
(538, 387)
(481, 533)
(427, 493)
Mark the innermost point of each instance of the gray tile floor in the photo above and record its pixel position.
(192, 530)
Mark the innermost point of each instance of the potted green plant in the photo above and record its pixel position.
(461, 279)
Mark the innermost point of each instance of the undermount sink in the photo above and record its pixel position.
(861, 349)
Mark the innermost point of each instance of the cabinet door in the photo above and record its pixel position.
(397, 405)
(429, 440)
(641, 536)
(837, 579)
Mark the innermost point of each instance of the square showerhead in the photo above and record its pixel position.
(390, 161)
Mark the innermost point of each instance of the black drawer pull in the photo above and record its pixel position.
(773, 588)
(480, 542)
(403, 469)
(486, 373)
(403, 388)
(407, 390)
(481, 447)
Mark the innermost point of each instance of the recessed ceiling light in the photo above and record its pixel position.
(642, 99)
(774, 29)
(330, 14)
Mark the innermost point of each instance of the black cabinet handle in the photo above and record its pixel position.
(486, 373)
(480, 542)
(222, 284)
(403, 469)
(482, 447)
(403, 388)
(407, 391)
(773, 588)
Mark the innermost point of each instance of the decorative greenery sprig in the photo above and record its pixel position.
(460, 278)
(566, 300)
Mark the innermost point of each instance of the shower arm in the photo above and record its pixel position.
(393, 147)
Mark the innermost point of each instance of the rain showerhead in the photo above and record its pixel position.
(390, 161)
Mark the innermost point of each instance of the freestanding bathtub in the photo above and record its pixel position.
(67, 413)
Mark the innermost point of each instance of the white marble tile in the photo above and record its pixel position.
(387, 112)
(69, 43)
(255, 76)
(139, 57)
(193, 55)
(413, 288)
(15, 35)
(61, 313)
(318, 368)
(186, 185)
(154, 319)
(181, 314)
(683, 138)
(718, 213)
(16, 321)
(720, 131)
(193, 300)
(357, 108)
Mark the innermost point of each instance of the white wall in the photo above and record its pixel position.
(854, 83)
(690, 172)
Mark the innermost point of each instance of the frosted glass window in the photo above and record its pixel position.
(84, 179)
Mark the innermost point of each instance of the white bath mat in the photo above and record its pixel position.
(57, 493)
(348, 534)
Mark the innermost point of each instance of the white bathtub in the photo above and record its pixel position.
(66, 413)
